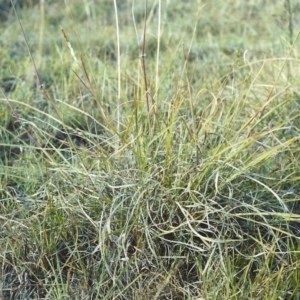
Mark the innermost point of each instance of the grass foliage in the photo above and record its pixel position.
(197, 197)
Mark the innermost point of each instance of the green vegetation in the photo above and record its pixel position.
(197, 198)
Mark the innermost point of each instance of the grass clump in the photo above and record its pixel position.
(195, 198)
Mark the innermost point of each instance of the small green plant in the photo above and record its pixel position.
(175, 179)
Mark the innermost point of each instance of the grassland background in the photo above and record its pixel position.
(196, 199)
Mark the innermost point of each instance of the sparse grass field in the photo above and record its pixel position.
(197, 198)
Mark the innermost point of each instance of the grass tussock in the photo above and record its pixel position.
(195, 196)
